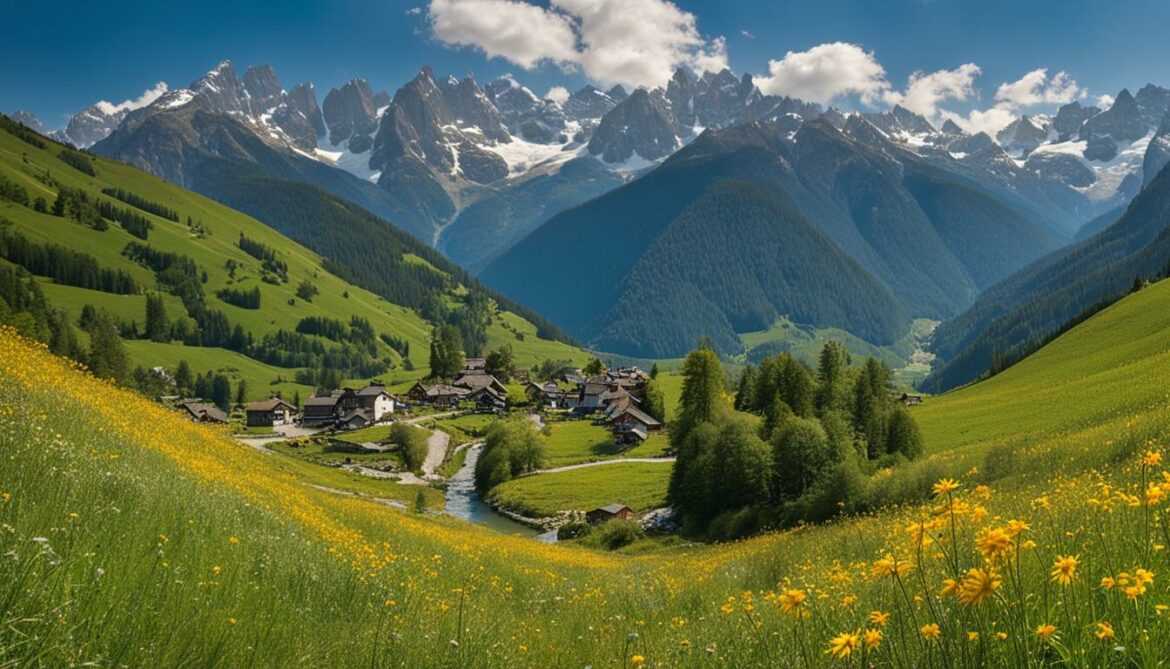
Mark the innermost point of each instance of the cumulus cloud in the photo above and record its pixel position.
(558, 94)
(748, 34)
(630, 42)
(1036, 88)
(517, 31)
(148, 96)
(825, 73)
(925, 92)
(1105, 101)
(1014, 98)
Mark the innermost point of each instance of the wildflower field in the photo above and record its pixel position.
(131, 537)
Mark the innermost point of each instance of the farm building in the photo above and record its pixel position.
(204, 412)
(608, 512)
(374, 399)
(269, 412)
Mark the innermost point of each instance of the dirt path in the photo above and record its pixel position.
(599, 463)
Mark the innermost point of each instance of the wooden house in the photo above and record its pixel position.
(608, 512)
(269, 412)
(204, 412)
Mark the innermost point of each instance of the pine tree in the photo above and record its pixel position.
(183, 378)
(221, 391)
(158, 326)
(241, 392)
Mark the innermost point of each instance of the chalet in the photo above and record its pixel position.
(548, 395)
(471, 365)
(489, 399)
(321, 410)
(269, 412)
(631, 424)
(608, 512)
(440, 394)
(374, 399)
(356, 419)
(910, 400)
(589, 397)
(204, 412)
(477, 380)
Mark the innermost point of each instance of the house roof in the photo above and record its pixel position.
(476, 381)
(371, 390)
(363, 414)
(440, 389)
(269, 404)
(594, 389)
(613, 509)
(639, 415)
(205, 410)
(326, 401)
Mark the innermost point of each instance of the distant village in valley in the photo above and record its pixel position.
(613, 397)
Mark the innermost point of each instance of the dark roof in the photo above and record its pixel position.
(372, 390)
(474, 363)
(268, 405)
(203, 410)
(613, 509)
(357, 413)
(639, 415)
(476, 381)
(594, 389)
(326, 401)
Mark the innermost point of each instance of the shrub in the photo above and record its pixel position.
(617, 533)
(574, 530)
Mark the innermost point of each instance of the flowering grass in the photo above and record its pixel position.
(132, 537)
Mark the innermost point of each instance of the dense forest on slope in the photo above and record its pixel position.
(891, 214)
(734, 261)
(1014, 315)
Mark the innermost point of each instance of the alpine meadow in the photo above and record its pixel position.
(627, 334)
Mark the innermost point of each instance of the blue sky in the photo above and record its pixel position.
(90, 51)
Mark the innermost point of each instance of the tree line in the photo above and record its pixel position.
(142, 203)
(817, 436)
(63, 265)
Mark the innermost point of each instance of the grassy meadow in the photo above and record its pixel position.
(641, 485)
(1037, 538)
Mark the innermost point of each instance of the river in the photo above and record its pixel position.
(463, 502)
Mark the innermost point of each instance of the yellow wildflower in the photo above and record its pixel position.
(1046, 631)
(1152, 458)
(930, 631)
(1107, 582)
(792, 601)
(843, 645)
(1104, 631)
(1064, 570)
(872, 638)
(978, 585)
(878, 618)
(993, 543)
(945, 486)
(637, 661)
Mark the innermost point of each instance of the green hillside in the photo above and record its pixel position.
(391, 588)
(212, 241)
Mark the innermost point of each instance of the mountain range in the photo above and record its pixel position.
(507, 183)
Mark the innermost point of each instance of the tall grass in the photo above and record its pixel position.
(131, 537)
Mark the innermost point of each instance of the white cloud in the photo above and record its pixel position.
(990, 120)
(522, 33)
(1104, 101)
(558, 94)
(631, 42)
(924, 92)
(826, 72)
(748, 34)
(148, 96)
(1036, 88)
(414, 11)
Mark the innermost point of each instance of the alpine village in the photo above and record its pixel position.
(659, 334)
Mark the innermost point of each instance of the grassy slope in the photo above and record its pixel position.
(576, 441)
(1110, 370)
(391, 584)
(20, 162)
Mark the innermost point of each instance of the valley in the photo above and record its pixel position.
(494, 334)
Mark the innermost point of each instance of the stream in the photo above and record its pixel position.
(463, 502)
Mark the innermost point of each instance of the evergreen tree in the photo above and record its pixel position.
(702, 399)
(654, 401)
(241, 392)
(221, 391)
(446, 351)
(500, 363)
(903, 436)
(744, 400)
(183, 380)
(158, 326)
(654, 371)
(830, 377)
(107, 356)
